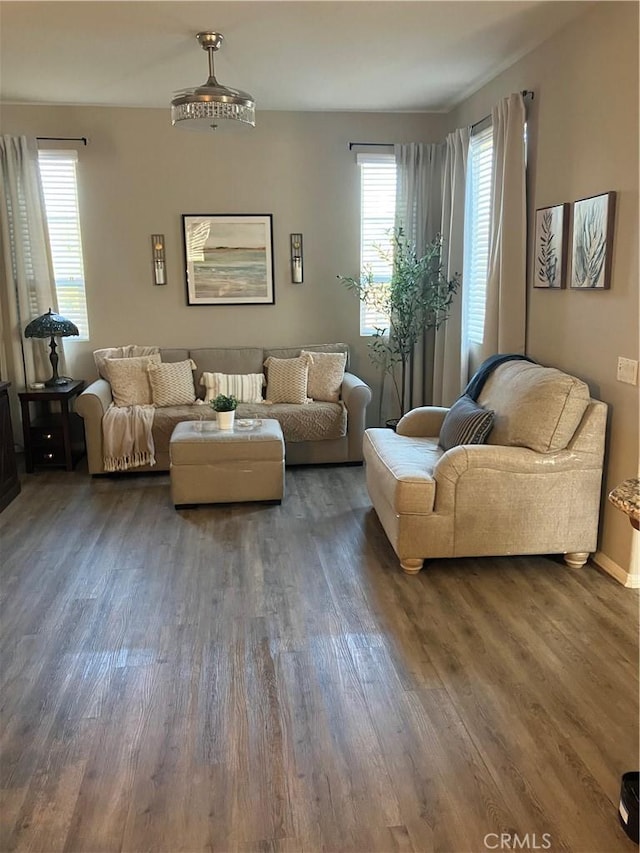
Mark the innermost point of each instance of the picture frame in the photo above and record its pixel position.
(228, 259)
(592, 242)
(551, 246)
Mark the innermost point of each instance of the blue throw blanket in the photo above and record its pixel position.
(476, 383)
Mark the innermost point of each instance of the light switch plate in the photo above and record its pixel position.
(627, 370)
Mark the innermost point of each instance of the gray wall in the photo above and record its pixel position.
(583, 140)
(138, 175)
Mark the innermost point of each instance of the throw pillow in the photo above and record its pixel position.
(245, 387)
(326, 373)
(100, 356)
(129, 379)
(287, 379)
(466, 422)
(172, 383)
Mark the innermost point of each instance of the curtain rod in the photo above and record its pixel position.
(526, 93)
(82, 139)
(371, 144)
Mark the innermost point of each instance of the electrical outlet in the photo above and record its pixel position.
(627, 370)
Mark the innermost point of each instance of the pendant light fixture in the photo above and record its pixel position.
(204, 107)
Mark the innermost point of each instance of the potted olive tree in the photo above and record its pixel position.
(417, 297)
(225, 409)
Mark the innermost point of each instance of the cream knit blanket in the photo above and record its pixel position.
(126, 430)
(127, 437)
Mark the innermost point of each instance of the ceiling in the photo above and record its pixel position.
(362, 55)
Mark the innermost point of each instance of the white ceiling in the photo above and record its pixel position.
(362, 55)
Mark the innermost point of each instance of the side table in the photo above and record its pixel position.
(52, 438)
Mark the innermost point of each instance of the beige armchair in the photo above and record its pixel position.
(533, 488)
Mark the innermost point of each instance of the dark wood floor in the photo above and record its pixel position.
(264, 678)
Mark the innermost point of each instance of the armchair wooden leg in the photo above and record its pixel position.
(576, 559)
(411, 567)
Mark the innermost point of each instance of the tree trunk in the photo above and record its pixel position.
(404, 387)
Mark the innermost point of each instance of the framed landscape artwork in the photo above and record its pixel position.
(592, 247)
(550, 249)
(229, 259)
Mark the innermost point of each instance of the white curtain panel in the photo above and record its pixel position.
(448, 360)
(419, 213)
(418, 191)
(505, 317)
(27, 285)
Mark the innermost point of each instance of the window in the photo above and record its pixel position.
(476, 232)
(377, 220)
(58, 174)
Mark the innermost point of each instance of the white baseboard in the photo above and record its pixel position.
(632, 581)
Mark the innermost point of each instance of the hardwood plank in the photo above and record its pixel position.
(263, 678)
(341, 787)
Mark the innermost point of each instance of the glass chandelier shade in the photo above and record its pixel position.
(203, 107)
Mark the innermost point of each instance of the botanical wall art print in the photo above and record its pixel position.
(229, 259)
(592, 248)
(550, 250)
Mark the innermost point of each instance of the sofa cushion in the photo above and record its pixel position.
(403, 469)
(326, 373)
(294, 352)
(226, 360)
(313, 422)
(536, 407)
(466, 422)
(173, 355)
(172, 383)
(287, 379)
(129, 379)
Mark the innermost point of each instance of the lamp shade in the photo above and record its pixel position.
(50, 325)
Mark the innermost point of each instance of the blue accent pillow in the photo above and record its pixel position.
(466, 422)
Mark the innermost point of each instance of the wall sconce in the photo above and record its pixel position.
(296, 258)
(159, 265)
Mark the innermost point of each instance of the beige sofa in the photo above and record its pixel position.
(534, 488)
(314, 433)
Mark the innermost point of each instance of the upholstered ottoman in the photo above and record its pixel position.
(210, 465)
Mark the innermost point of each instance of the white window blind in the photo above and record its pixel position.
(59, 184)
(477, 232)
(377, 220)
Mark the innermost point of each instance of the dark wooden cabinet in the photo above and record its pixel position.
(9, 481)
(53, 435)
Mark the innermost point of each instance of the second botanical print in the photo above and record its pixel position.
(592, 242)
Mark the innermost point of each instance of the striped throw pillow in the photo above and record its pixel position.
(466, 422)
(245, 387)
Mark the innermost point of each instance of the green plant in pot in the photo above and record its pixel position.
(225, 409)
(417, 297)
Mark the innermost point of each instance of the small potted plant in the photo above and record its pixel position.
(225, 409)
